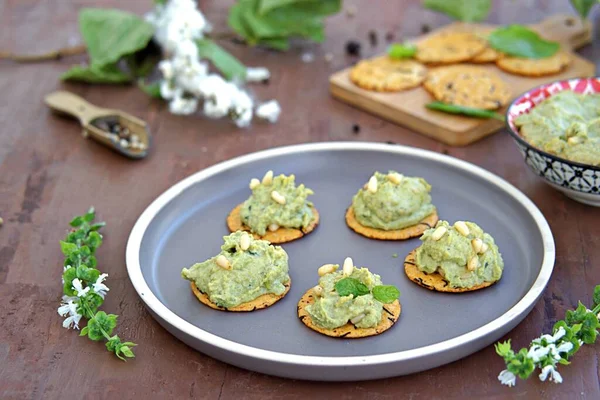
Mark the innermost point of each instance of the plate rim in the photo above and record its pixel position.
(163, 312)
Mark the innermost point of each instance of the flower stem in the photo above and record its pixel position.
(90, 316)
(52, 55)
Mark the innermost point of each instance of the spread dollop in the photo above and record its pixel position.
(566, 124)
(244, 270)
(396, 203)
(464, 257)
(263, 208)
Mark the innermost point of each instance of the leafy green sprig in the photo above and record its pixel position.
(83, 286)
(579, 327)
(351, 286)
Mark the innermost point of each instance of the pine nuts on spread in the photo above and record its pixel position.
(223, 262)
(273, 227)
(244, 242)
(254, 183)
(438, 233)
(473, 263)
(268, 178)
(395, 177)
(462, 228)
(348, 266)
(372, 185)
(275, 195)
(326, 269)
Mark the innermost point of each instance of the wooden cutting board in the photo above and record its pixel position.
(408, 107)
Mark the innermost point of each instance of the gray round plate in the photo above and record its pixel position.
(185, 225)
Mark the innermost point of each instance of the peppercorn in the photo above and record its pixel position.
(353, 48)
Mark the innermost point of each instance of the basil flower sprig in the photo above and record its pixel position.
(579, 327)
(84, 288)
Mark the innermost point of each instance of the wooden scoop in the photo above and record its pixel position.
(120, 131)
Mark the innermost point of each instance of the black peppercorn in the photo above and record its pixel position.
(356, 129)
(353, 48)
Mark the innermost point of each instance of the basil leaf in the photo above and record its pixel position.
(462, 10)
(386, 293)
(520, 41)
(468, 111)
(111, 34)
(68, 248)
(400, 51)
(583, 7)
(151, 89)
(351, 286)
(227, 64)
(596, 297)
(95, 74)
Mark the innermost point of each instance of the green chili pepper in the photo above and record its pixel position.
(468, 111)
(400, 51)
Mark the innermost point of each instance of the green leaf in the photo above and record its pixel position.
(589, 328)
(504, 350)
(68, 276)
(89, 304)
(227, 64)
(84, 331)
(399, 51)
(583, 7)
(96, 74)
(281, 44)
(68, 248)
(113, 343)
(77, 221)
(386, 293)
(90, 215)
(596, 297)
(462, 10)
(101, 325)
(520, 41)
(576, 316)
(110, 34)
(127, 351)
(97, 226)
(521, 365)
(351, 286)
(151, 89)
(88, 275)
(462, 110)
(94, 241)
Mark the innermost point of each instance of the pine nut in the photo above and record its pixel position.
(357, 319)
(318, 290)
(473, 263)
(254, 183)
(244, 242)
(348, 267)
(574, 140)
(273, 227)
(477, 245)
(326, 269)
(395, 177)
(268, 178)
(484, 248)
(277, 197)
(223, 262)
(462, 228)
(372, 185)
(438, 233)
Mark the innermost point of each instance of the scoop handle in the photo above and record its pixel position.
(69, 103)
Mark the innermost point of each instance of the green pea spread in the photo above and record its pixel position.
(566, 124)
(261, 210)
(261, 269)
(450, 254)
(331, 310)
(394, 205)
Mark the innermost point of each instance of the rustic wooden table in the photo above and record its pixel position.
(48, 173)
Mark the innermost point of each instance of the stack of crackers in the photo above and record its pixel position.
(439, 66)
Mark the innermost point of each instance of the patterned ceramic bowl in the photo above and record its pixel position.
(579, 181)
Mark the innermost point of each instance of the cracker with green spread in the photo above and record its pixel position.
(247, 275)
(392, 207)
(455, 258)
(351, 303)
(277, 210)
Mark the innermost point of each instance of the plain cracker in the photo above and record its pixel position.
(433, 281)
(535, 67)
(389, 316)
(260, 302)
(398, 234)
(449, 47)
(383, 74)
(281, 235)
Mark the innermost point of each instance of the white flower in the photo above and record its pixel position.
(257, 74)
(269, 111)
(507, 378)
(79, 289)
(187, 49)
(169, 91)
(554, 375)
(551, 339)
(183, 106)
(565, 347)
(69, 308)
(166, 69)
(536, 352)
(176, 21)
(243, 119)
(100, 287)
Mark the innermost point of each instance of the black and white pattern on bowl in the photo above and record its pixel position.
(568, 176)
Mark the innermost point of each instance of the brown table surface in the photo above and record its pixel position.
(48, 173)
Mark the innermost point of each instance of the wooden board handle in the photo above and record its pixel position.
(569, 30)
(69, 103)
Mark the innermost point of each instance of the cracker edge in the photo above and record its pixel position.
(390, 315)
(263, 301)
(281, 235)
(434, 281)
(398, 234)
